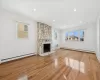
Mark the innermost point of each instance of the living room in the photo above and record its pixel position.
(49, 40)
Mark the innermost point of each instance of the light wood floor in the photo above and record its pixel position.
(62, 65)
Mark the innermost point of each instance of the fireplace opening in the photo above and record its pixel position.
(46, 48)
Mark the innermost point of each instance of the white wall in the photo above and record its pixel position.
(98, 39)
(10, 45)
(55, 42)
(89, 43)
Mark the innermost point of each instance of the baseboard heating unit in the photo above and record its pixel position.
(16, 57)
(88, 51)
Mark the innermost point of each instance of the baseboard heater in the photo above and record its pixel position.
(16, 57)
(79, 50)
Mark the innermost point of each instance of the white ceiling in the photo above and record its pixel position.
(62, 11)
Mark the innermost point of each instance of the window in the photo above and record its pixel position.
(77, 35)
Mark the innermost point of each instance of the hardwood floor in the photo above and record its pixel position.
(62, 65)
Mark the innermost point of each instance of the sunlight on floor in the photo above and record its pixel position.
(65, 77)
(75, 64)
(56, 62)
(23, 77)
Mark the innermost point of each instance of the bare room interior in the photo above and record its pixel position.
(49, 39)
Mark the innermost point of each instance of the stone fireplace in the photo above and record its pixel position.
(44, 39)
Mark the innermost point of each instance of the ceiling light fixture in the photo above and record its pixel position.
(53, 20)
(34, 9)
(74, 9)
(80, 21)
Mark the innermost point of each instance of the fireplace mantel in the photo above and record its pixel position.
(47, 42)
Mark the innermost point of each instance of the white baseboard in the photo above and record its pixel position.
(79, 50)
(55, 48)
(17, 57)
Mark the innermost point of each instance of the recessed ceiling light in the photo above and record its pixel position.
(34, 9)
(80, 21)
(53, 20)
(74, 9)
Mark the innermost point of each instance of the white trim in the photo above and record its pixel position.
(22, 22)
(79, 50)
(15, 58)
(98, 39)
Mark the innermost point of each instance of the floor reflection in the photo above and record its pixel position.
(65, 77)
(23, 77)
(56, 62)
(75, 64)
